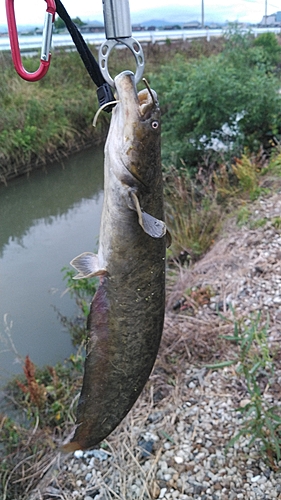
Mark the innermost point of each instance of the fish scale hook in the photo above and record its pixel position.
(118, 30)
(149, 90)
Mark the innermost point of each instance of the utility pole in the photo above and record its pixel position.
(202, 15)
(265, 14)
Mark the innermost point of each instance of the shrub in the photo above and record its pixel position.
(217, 106)
(271, 49)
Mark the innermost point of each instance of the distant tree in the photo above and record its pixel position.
(78, 21)
(59, 23)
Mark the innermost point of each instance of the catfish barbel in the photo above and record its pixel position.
(127, 312)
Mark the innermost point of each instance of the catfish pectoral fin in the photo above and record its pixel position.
(87, 264)
(154, 227)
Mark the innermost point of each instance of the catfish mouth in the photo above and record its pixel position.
(147, 101)
(136, 106)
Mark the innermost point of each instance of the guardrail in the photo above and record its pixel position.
(34, 42)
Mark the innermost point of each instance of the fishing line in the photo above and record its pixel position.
(111, 103)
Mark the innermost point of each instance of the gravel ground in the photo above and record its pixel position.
(172, 445)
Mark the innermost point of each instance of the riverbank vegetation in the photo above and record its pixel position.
(217, 98)
(221, 131)
(215, 107)
(44, 120)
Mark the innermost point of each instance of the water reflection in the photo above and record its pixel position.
(48, 193)
(45, 221)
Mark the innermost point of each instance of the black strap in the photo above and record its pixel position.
(104, 90)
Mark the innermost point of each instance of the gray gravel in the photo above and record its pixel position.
(192, 462)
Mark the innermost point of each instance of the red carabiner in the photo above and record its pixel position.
(47, 37)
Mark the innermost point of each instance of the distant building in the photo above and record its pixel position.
(138, 27)
(212, 26)
(172, 27)
(91, 28)
(192, 25)
(272, 20)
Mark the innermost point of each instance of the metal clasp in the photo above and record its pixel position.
(46, 42)
(118, 30)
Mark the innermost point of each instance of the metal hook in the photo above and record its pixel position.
(46, 43)
(118, 30)
(135, 48)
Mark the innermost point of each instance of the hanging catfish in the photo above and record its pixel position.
(127, 312)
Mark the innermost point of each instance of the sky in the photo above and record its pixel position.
(32, 11)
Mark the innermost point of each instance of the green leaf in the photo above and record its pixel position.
(242, 432)
(255, 367)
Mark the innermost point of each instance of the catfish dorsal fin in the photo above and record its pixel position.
(87, 265)
(154, 227)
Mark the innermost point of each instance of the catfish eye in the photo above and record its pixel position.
(155, 124)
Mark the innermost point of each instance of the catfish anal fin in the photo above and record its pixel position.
(87, 265)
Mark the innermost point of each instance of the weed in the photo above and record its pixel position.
(82, 288)
(258, 223)
(46, 393)
(274, 165)
(243, 216)
(225, 183)
(254, 365)
(246, 172)
(194, 218)
(83, 291)
(276, 222)
(10, 432)
(35, 392)
(218, 106)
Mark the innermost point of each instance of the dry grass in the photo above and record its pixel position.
(192, 213)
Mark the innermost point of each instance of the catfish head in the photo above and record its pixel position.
(138, 129)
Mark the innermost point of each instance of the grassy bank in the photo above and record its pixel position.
(46, 119)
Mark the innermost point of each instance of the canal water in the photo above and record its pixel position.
(45, 221)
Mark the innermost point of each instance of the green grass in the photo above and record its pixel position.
(253, 364)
